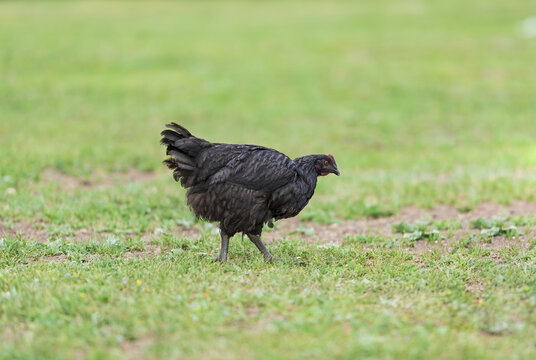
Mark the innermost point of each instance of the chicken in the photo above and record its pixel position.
(242, 187)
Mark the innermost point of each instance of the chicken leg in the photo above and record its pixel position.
(256, 239)
(224, 247)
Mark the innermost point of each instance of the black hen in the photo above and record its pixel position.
(241, 186)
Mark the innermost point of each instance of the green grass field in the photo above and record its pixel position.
(425, 105)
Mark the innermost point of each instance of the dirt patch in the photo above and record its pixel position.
(96, 179)
(24, 229)
(49, 259)
(134, 349)
(334, 233)
(501, 242)
(474, 286)
(252, 310)
(489, 210)
(313, 232)
(149, 251)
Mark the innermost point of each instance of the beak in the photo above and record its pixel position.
(336, 171)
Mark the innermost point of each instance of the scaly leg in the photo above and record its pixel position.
(256, 239)
(224, 247)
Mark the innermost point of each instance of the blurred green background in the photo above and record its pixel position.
(421, 102)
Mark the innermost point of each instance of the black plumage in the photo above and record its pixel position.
(242, 187)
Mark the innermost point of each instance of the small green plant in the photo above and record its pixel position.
(445, 224)
(482, 223)
(494, 227)
(403, 227)
(417, 231)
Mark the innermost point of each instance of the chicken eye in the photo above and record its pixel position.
(326, 162)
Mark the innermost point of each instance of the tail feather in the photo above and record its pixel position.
(180, 129)
(182, 159)
(182, 148)
(169, 137)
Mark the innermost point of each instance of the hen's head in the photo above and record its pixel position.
(325, 164)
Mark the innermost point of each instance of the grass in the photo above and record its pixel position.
(421, 103)
(342, 300)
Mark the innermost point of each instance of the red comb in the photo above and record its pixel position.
(331, 157)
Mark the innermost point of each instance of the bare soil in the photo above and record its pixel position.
(24, 229)
(133, 349)
(335, 233)
(384, 226)
(37, 232)
(150, 251)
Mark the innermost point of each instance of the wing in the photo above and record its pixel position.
(253, 167)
